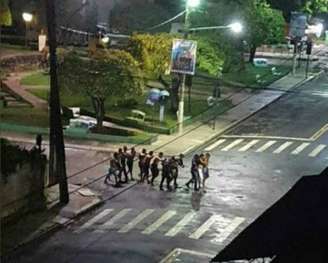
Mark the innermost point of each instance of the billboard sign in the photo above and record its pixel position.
(298, 24)
(183, 58)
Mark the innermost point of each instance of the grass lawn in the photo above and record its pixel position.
(248, 77)
(36, 79)
(25, 116)
(39, 83)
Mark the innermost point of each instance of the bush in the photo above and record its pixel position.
(128, 103)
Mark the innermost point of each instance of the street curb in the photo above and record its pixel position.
(234, 124)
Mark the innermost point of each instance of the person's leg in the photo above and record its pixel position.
(162, 181)
(176, 178)
(130, 167)
(154, 173)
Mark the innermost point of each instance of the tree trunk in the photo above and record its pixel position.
(252, 53)
(56, 128)
(99, 108)
(242, 66)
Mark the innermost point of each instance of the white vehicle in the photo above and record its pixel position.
(260, 62)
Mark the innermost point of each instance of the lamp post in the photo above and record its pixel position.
(27, 17)
(235, 27)
(190, 4)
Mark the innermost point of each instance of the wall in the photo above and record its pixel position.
(22, 191)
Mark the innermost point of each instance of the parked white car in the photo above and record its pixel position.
(260, 62)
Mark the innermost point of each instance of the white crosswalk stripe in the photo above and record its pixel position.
(248, 146)
(265, 146)
(206, 226)
(300, 148)
(214, 145)
(232, 145)
(153, 227)
(282, 147)
(94, 220)
(136, 221)
(109, 224)
(222, 226)
(236, 222)
(179, 226)
(317, 150)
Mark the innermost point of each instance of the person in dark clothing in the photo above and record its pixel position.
(165, 174)
(194, 173)
(130, 159)
(175, 163)
(148, 158)
(113, 170)
(123, 157)
(141, 163)
(154, 163)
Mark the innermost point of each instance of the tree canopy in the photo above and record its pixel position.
(5, 14)
(104, 74)
(315, 7)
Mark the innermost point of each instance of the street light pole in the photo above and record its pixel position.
(27, 17)
(183, 84)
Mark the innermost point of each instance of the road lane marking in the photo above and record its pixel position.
(248, 146)
(178, 251)
(317, 150)
(265, 146)
(94, 220)
(320, 132)
(109, 224)
(136, 221)
(231, 145)
(300, 148)
(180, 225)
(260, 137)
(282, 147)
(153, 227)
(236, 222)
(214, 145)
(205, 227)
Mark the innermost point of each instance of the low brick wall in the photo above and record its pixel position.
(21, 62)
(22, 191)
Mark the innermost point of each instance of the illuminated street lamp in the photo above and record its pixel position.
(236, 27)
(27, 17)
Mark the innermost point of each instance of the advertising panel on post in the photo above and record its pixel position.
(183, 59)
(298, 24)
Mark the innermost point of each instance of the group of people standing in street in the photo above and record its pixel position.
(151, 164)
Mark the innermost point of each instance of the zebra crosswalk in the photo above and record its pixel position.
(192, 224)
(276, 146)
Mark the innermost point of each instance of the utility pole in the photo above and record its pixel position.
(56, 130)
(183, 85)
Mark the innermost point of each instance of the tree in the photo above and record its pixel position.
(153, 52)
(101, 75)
(315, 7)
(5, 15)
(265, 25)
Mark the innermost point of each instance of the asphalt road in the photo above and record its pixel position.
(252, 166)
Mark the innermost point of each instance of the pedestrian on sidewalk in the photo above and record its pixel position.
(165, 174)
(141, 163)
(194, 173)
(123, 157)
(154, 163)
(130, 160)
